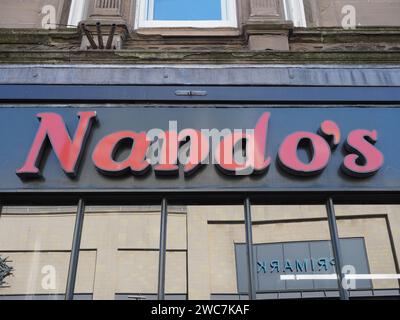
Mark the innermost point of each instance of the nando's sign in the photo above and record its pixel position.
(363, 158)
(201, 148)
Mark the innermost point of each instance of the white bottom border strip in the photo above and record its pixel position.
(334, 277)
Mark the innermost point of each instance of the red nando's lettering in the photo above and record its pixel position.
(363, 159)
(68, 151)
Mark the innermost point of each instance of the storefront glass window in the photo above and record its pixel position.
(35, 247)
(293, 255)
(176, 255)
(213, 233)
(119, 253)
(379, 228)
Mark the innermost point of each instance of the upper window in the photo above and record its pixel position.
(186, 13)
(78, 12)
(294, 11)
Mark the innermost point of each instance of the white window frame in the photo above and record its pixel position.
(294, 11)
(229, 17)
(77, 12)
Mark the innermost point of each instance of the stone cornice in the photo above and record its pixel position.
(193, 57)
(36, 36)
(339, 35)
(308, 46)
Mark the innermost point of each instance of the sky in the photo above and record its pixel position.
(187, 10)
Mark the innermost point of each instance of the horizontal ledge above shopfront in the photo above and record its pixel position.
(204, 75)
(210, 94)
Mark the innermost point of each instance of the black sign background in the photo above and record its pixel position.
(18, 126)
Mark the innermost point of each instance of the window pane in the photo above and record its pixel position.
(35, 246)
(378, 226)
(119, 253)
(293, 253)
(176, 259)
(187, 10)
(213, 232)
(175, 287)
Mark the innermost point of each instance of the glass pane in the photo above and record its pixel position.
(377, 230)
(35, 247)
(187, 10)
(293, 253)
(119, 253)
(213, 233)
(176, 262)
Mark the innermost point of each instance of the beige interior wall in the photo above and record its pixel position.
(127, 252)
(138, 272)
(32, 271)
(33, 240)
(119, 250)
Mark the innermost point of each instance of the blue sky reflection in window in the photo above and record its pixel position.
(187, 10)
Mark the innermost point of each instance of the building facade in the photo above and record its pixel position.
(98, 230)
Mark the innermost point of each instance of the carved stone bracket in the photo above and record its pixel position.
(107, 10)
(108, 7)
(105, 15)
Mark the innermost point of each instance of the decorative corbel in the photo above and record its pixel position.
(105, 29)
